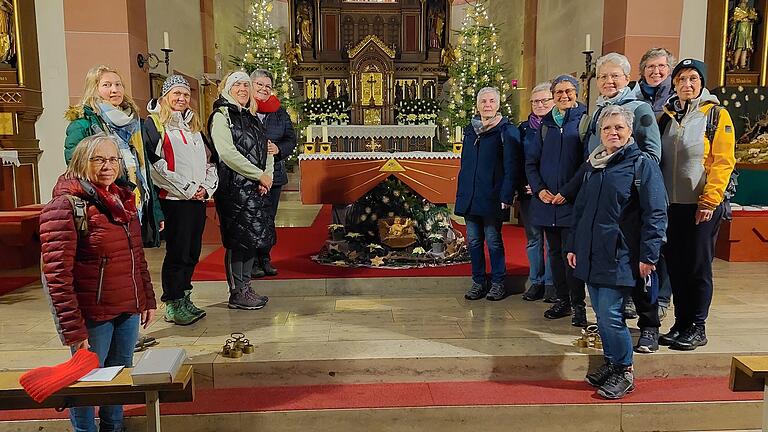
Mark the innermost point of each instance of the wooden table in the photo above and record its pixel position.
(749, 373)
(119, 391)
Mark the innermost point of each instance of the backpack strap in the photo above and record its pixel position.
(158, 124)
(713, 118)
(79, 213)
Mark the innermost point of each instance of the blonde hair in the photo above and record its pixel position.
(79, 166)
(166, 112)
(91, 96)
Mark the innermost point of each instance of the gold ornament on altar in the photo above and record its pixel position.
(309, 148)
(397, 232)
(373, 145)
(293, 54)
(325, 148)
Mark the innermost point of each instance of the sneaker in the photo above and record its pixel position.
(245, 299)
(649, 340)
(534, 292)
(598, 377)
(629, 312)
(477, 291)
(670, 337)
(176, 312)
(191, 306)
(691, 338)
(497, 292)
(256, 295)
(266, 266)
(579, 318)
(560, 309)
(550, 294)
(618, 384)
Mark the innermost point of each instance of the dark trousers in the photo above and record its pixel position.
(689, 251)
(275, 193)
(184, 224)
(238, 266)
(568, 287)
(647, 312)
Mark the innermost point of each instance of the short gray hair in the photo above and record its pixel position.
(542, 86)
(657, 52)
(258, 73)
(616, 110)
(489, 90)
(616, 59)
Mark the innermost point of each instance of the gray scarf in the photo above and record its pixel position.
(600, 157)
(481, 126)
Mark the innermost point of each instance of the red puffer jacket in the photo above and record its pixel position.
(98, 275)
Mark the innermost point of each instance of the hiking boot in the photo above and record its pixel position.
(535, 292)
(618, 384)
(476, 292)
(649, 340)
(245, 299)
(598, 377)
(629, 312)
(670, 337)
(560, 309)
(176, 312)
(497, 292)
(550, 294)
(691, 338)
(191, 306)
(257, 271)
(579, 318)
(256, 295)
(266, 266)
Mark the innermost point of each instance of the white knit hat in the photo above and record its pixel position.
(235, 77)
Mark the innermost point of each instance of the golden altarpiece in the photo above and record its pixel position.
(736, 50)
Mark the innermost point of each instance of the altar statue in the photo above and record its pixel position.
(304, 25)
(740, 37)
(448, 56)
(7, 39)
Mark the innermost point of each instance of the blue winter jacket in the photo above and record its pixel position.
(551, 161)
(527, 136)
(619, 220)
(489, 169)
(278, 128)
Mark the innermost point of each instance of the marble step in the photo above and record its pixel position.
(625, 417)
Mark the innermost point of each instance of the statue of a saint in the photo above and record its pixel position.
(304, 25)
(398, 92)
(412, 90)
(7, 39)
(740, 38)
(292, 54)
(344, 91)
(447, 57)
(330, 91)
(436, 25)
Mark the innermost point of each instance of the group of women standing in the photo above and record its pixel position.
(128, 180)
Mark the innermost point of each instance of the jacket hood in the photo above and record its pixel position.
(705, 98)
(75, 112)
(624, 95)
(87, 191)
(576, 112)
(598, 160)
(153, 106)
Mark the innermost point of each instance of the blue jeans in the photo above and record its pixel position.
(608, 301)
(540, 272)
(113, 341)
(483, 230)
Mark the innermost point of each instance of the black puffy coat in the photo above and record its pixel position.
(245, 218)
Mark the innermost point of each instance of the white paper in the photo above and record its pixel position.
(106, 374)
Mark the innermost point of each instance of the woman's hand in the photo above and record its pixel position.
(646, 269)
(162, 225)
(83, 344)
(558, 199)
(571, 259)
(200, 194)
(528, 189)
(263, 190)
(272, 148)
(703, 215)
(546, 196)
(266, 181)
(504, 206)
(146, 318)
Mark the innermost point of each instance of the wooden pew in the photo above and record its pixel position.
(119, 391)
(749, 373)
(19, 243)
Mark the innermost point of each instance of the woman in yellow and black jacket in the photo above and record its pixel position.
(697, 160)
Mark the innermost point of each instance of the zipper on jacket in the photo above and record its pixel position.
(102, 266)
(559, 165)
(133, 266)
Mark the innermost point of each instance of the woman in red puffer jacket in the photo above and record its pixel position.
(97, 279)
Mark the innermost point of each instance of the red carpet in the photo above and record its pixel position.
(295, 246)
(12, 283)
(208, 401)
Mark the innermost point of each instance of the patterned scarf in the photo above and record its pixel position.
(127, 127)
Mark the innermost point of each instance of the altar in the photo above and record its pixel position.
(373, 138)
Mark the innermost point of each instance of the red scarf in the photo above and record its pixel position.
(268, 106)
(119, 201)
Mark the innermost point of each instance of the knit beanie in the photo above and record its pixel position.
(44, 381)
(697, 65)
(174, 81)
(562, 78)
(233, 78)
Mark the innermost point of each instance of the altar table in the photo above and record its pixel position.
(355, 138)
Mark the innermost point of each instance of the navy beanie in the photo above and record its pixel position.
(561, 78)
(697, 65)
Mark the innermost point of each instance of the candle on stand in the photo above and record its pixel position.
(459, 134)
(325, 134)
(588, 42)
(166, 41)
(309, 134)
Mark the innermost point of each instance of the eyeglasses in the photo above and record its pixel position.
(535, 102)
(98, 160)
(570, 91)
(614, 77)
(259, 85)
(692, 79)
(660, 67)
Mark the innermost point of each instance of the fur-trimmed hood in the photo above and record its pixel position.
(76, 112)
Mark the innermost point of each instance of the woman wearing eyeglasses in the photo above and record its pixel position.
(98, 281)
(655, 84)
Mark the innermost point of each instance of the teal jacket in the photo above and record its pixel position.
(84, 122)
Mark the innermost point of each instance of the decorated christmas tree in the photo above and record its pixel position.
(477, 65)
(262, 51)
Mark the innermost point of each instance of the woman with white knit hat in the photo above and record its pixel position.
(243, 198)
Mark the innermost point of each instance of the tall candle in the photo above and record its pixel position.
(459, 134)
(325, 134)
(309, 134)
(166, 41)
(588, 42)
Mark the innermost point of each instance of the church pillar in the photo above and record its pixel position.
(108, 32)
(633, 27)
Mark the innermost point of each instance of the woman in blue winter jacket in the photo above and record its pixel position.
(619, 226)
